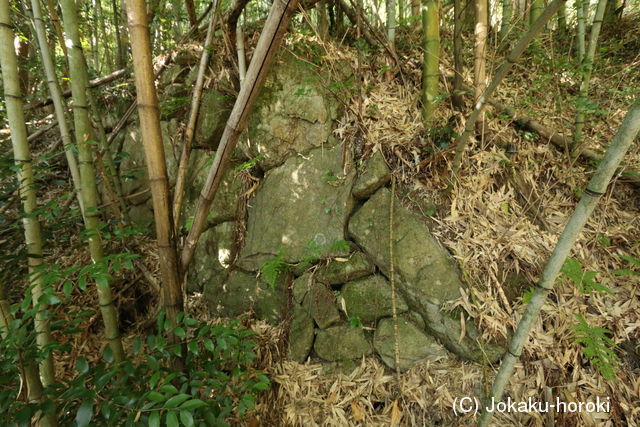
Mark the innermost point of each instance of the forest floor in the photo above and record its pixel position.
(501, 222)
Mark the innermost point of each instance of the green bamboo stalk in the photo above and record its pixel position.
(536, 10)
(22, 159)
(581, 17)
(505, 25)
(500, 74)
(595, 189)
(56, 97)
(83, 131)
(430, 71)
(586, 67)
(391, 21)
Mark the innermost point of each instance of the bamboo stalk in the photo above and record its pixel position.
(149, 114)
(480, 53)
(22, 159)
(196, 98)
(391, 21)
(503, 70)
(56, 97)
(272, 34)
(242, 56)
(505, 25)
(586, 67)
(456, 97)
(431, 61)
(595, 189)
(83, 131)
(581, 27)
(27, 368)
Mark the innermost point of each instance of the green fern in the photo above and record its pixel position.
(272, 268)
(598, 347)
(584, 280)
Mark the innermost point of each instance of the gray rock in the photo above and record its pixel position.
(293, 113)
(239, 292)
(212, 257)
(414, 345)
(337, 272)
(301, 286)
(370, 298)
(426, 270)
(427, 276)
(375, 175)
(214, 112)
(341, 343)
(321, 304)
(301, 209)
(301, 334)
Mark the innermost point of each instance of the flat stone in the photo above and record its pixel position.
(370, 298)
(303, 219)
(301, 286)
(301, 334)
(320, 302)
(375, 175)
(341, 343)
(338, 272)
(414, 345)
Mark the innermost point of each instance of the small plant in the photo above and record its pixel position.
(597, 347)
(272, 268)
(355, 322)
(584, 280)
(330, 178)
(628, 271)
(250, 163)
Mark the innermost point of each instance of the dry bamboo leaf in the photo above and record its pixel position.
(357, 412)
(396, 414)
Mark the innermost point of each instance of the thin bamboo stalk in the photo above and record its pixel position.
(56, 97)
(480, 52)
(586, 67)
(83, 131)
(595, 189)
(242, 56)
(505, 25)
(272, 34)
(502, 71)
(149, 112)
(581, 28)
(458, 60)
(183, 166)
(22, 159)
(391, 21)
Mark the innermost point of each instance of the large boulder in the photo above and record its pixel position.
(413, 344)
(376, 173)
(427, 275)
(341, 343)
(370, 298)
(321, 304)
(300, 211)
(212, 256)
(293, 113)
(214, 112)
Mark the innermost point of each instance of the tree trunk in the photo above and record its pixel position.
(79, 84)
(56, 96)
(585, 70)
(430, 72)
(191, 124)
(596, 188)
(149, 113)
(536, 10)
(191, 12)
(24, 172)
(323, 19)
(272, 34)
(502, 71)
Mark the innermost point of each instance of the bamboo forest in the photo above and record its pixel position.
(320, 213)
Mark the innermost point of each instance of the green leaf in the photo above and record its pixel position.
(180, 332)
(107, 355)
(193, 404)
(171, 419)
(154, 419)
(168, 388)
(84, 414)
(176, 400)
(208, 344)
(67, 287)
(82, 365)
(155, 396)
(186, 418)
